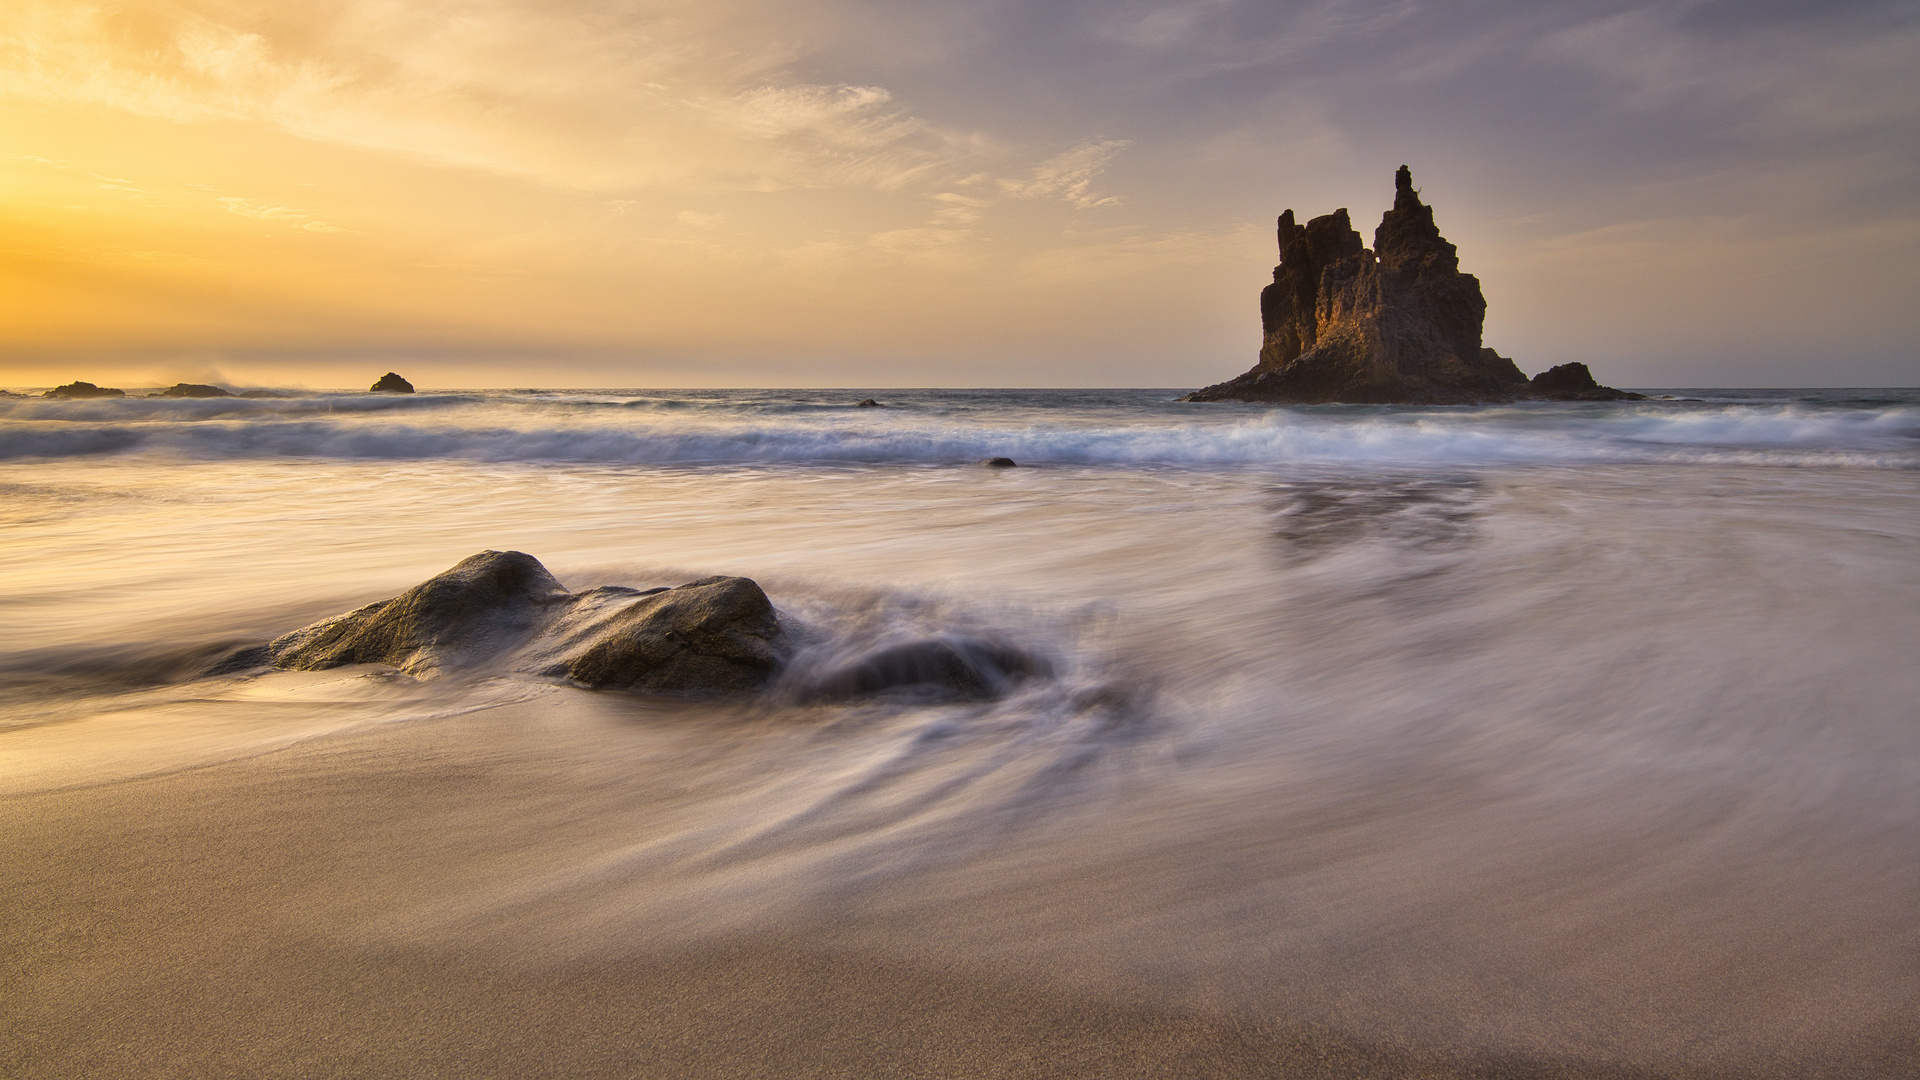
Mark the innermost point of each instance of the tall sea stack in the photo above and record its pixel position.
(1399, 324)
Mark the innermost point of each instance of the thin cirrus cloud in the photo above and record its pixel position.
(1069, 176)
(638, 95)
(299, 219)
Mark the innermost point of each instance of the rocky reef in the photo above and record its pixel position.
(1397, 324)
(192, 390)
(501, 612)
(83, 390)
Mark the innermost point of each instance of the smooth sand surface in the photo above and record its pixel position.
(233, 920)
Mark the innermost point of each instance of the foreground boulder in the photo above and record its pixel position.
(712, 636)
(391, 384)
(487, 604)
(504, 611)
(192, 390)
(1398, 324)
(83, 390)
(501, 611)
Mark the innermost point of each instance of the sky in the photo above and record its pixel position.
(963, 193)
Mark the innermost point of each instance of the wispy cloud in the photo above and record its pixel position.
(299, 219)
(1069, 176)
(953, 208)
(581, 95)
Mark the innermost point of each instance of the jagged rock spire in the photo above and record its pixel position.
(1397, 324)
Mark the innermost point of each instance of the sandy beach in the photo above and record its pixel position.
(1551, 741)
(390, 900)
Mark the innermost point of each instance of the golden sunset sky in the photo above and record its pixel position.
(976, 192)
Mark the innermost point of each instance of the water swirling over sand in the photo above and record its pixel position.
(1532, 741)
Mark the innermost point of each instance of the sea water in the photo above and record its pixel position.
(1587, 726)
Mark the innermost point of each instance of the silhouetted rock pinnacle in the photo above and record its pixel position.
(391, 384)
(1399, 324)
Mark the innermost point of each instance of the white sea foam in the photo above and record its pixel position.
(1138, 429)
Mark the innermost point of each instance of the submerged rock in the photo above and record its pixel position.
(1398, 324)
(240, 660)
(968, 669)
(868, 403)
(192, 390)
(83, 390)
(487, 604)
(391, 384)
(1000, 463)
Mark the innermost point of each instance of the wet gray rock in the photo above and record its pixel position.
(486, 605)
(502, 610)
(83, 390)
(391, 384)
(717, 635)
(966, 669)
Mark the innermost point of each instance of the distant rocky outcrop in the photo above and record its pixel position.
(83, 390)
(1573, 382)
(391, 384)
(192, 390)
(1398, 324)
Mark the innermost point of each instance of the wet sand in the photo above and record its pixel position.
(249, 918)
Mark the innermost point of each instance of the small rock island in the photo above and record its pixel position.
(84, 390)
(192, 390)
(1395, 325)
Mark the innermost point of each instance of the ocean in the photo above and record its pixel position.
(1529, 738)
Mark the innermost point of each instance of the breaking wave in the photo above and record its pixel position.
(1136, 429)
